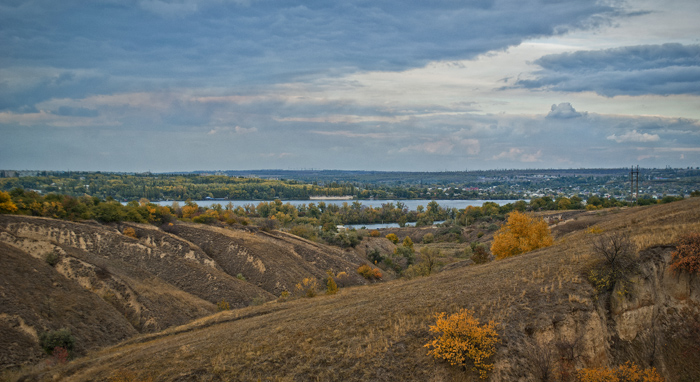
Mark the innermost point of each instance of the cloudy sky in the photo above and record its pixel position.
(179, 85)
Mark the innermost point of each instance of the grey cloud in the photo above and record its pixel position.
(222, 43)
(636, 70)
(564, 111)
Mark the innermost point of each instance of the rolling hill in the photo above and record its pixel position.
(542, 300)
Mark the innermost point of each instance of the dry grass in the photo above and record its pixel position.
(377, 332)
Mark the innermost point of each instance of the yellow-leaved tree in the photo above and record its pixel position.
(6, 204)
(521, 233)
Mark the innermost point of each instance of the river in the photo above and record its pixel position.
(410, 204)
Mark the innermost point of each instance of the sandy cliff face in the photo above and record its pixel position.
(657, 324)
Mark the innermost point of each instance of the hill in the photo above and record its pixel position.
(542, 300)
(107, 286)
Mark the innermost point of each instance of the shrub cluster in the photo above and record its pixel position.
(53, 339)
(369, 273)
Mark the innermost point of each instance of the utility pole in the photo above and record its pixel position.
(634, 182)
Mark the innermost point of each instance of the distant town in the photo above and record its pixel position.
(652, 183)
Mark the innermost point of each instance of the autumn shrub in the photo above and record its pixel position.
(369, 273)
(208, 217)
(393, 238)
(53, 339)
(374, 233)
(331, 286)
(594, 230)
(130, 232)
(428, 238)
(687, 255)
(462, 340)
(629, 372)
(521, 233)
(284, 296)
(223, 305)
(307, 287)
(59, 356)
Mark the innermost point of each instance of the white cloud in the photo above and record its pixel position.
(350, 134)
(564, 111)
(516, 154)
(510, 154)
(445, 146)
(536, 157)
(634, 136)
(229, 129)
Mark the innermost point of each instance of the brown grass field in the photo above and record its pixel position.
(377, 332)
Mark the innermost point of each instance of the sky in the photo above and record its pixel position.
(183, 85)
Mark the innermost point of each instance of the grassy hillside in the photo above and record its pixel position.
(107, 283)
(541, 299)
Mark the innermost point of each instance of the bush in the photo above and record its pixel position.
(369, 273)
(687, 255)
(170, 228)
(345, 240)
(52, 258)
(128, 231)
(428, 238)
(393, 238)
(307, 287)
(479, 254)
(284, 296)
(521, 233)
(462, 340)
(374, 233)
(629, 372)
(342, 279)
(407, 253)
(307, 231)
(331, 286)
(257, 301)
(223, 305)
(616, 262)
(57, 338)
(268, 225)
(375, 256)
